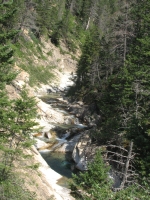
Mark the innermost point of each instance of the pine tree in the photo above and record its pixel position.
(139, 75)
(16, 117)
(93, 183)
(124, 101)
(6, 53)
(17, 122)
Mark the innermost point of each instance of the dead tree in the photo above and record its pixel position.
(122, 163)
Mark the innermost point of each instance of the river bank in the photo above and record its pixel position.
(49, 117)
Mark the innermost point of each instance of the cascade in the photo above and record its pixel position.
(61, 162)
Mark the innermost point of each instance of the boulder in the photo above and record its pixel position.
(79, 153)
(84, 151)
(69, 145)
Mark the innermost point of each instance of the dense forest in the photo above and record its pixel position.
(112, 75)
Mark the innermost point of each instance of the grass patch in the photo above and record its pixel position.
(39, 74)
(25, 51)
(25, 48)
(50, 53)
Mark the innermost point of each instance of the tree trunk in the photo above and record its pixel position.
(127, 166)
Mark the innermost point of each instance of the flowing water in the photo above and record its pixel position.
(60, 162)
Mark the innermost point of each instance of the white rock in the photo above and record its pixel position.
(39, 143)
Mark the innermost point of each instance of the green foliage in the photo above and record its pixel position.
(38, 74)
(65, 29)
(24, 52)
(29, 47)
(47, 15)
(17, 122)
(90, 51)
(119, 88)
(50, 53)
(113, 73)
(56, 20)
(6, 74)
(16, 116)
(16, 125)
(13, 188)
(94, 183)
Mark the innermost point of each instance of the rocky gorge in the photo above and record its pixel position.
(60, 129)
(62, 134)
(63, 143)
(74, 100)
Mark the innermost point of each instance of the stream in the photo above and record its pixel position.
(54, 145)
(59, 161)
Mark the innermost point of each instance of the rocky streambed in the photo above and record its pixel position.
(62, 139)
(67, 145)
(57, 144)
(64, 142)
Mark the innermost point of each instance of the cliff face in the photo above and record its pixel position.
(43, 180)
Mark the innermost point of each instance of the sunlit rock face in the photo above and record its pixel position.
(69, 145)
(84, 151)
(80, 152)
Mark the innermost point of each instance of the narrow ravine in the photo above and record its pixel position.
(55, 151)
(60, 131)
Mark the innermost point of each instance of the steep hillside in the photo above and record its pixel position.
(40, 67)
(105, 44)
(44, 179)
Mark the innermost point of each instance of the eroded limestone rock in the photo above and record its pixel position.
(79, 152)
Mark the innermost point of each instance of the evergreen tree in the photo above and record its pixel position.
(138, 73)
(16, 117)
(94, 183)
(124, 98)
(6, 74)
